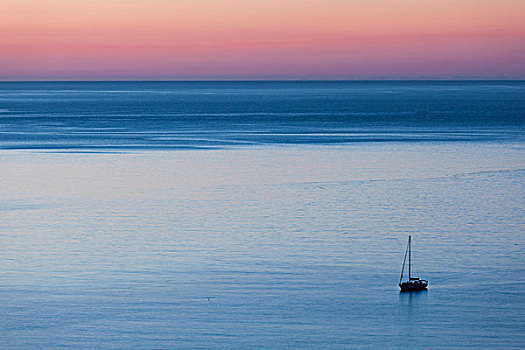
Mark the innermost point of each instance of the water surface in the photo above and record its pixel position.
(261, 215)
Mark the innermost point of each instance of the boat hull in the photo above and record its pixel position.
(412, 286)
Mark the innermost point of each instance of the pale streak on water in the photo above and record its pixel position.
(287, 244)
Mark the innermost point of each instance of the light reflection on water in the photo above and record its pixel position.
(271, 247)
(261, 215)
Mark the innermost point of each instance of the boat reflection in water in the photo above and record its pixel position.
(413, 283)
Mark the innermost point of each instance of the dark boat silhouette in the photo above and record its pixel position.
(413, 283)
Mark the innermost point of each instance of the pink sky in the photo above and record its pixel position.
(263, 39)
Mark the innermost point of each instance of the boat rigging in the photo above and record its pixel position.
(413, 283)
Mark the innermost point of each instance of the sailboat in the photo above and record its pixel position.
(413, 283)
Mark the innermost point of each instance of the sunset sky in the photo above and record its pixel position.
(264, 39)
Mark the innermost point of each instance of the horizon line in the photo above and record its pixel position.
(267, 80)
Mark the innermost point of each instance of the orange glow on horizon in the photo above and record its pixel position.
(310, 38)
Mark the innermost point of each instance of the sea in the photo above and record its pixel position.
(261, 215)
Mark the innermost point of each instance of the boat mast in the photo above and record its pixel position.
(409, 255)
(404, 262)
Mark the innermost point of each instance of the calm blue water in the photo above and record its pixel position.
(241, 215)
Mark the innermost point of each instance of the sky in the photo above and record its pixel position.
(261, 39)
